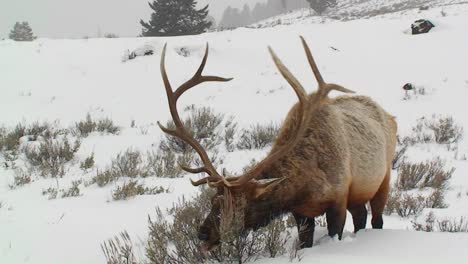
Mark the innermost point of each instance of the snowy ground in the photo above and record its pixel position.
(66, 79)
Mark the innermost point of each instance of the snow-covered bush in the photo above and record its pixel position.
(453, 225)
(103, 178)
(183, 51)
(207, 127)
(427, 225)
(133, 188)
(424, 174)
(49, 156)
(438, 129)
(73, 191)
(21, 177)
(177, 241)
(430, 176)
(111, 35)
(203, 123)
(404, 204)
(128, 164)
(145, 50)
(163, 163)
(89, 125)
(400, 151)
(431, 224)
(230, 131)
(257, 136)
(88, 163)
(119, 250)
(10, 140)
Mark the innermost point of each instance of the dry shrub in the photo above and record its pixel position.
(133, 188)
(410, 205)
(51, 192)
(119, 250)
(163, 163)
(257, 136)
(439, 129)
(177, 241)
(54, 192)
(103, 178)
(400, 151)
(10, 140)
(89, 125)
(44, 130)
(453, 225)
(73, 191)
(128, 164)
(404, 204)
(202, 123)
(423, 174)
(21, 177)
(427, 225)
(88, 163)
(445, 130)
(51, 155)
(436, 199)
(431, 224)
(230, 130)
(294, 252)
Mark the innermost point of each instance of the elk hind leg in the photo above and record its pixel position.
(359, 213)
(379, 201)
(336, 218)
(305, 229)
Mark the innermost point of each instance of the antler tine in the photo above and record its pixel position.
(313, 65)
(303, 106)
(180, 130)
(295, 84)
(199, 78)
(324, 88)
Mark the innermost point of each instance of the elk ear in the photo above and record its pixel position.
(263, 188)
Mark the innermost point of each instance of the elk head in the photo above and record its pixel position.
(259, 197)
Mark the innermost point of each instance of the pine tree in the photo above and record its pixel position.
(22, 32)
(175, 18)
(320, 6)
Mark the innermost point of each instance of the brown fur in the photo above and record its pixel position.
(344, 155)
(342, 161)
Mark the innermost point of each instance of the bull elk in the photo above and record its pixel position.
(331, 155)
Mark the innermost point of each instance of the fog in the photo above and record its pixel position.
(76, 19)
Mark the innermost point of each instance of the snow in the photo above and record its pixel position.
(66, 79)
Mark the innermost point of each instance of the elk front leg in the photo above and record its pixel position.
(305, 229)
(336, 218)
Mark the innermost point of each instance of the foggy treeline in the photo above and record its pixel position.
(233, 17)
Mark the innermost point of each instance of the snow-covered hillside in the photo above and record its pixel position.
(63, 80)
(359, 9)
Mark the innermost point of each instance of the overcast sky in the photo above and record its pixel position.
(78, 18)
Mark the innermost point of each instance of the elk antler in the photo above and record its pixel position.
(324, 88)
(304, 112)
(280, 152)
(179, 130)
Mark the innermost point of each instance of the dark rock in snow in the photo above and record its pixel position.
(408, 87)
(421, 26)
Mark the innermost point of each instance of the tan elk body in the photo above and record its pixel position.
(331, 155)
